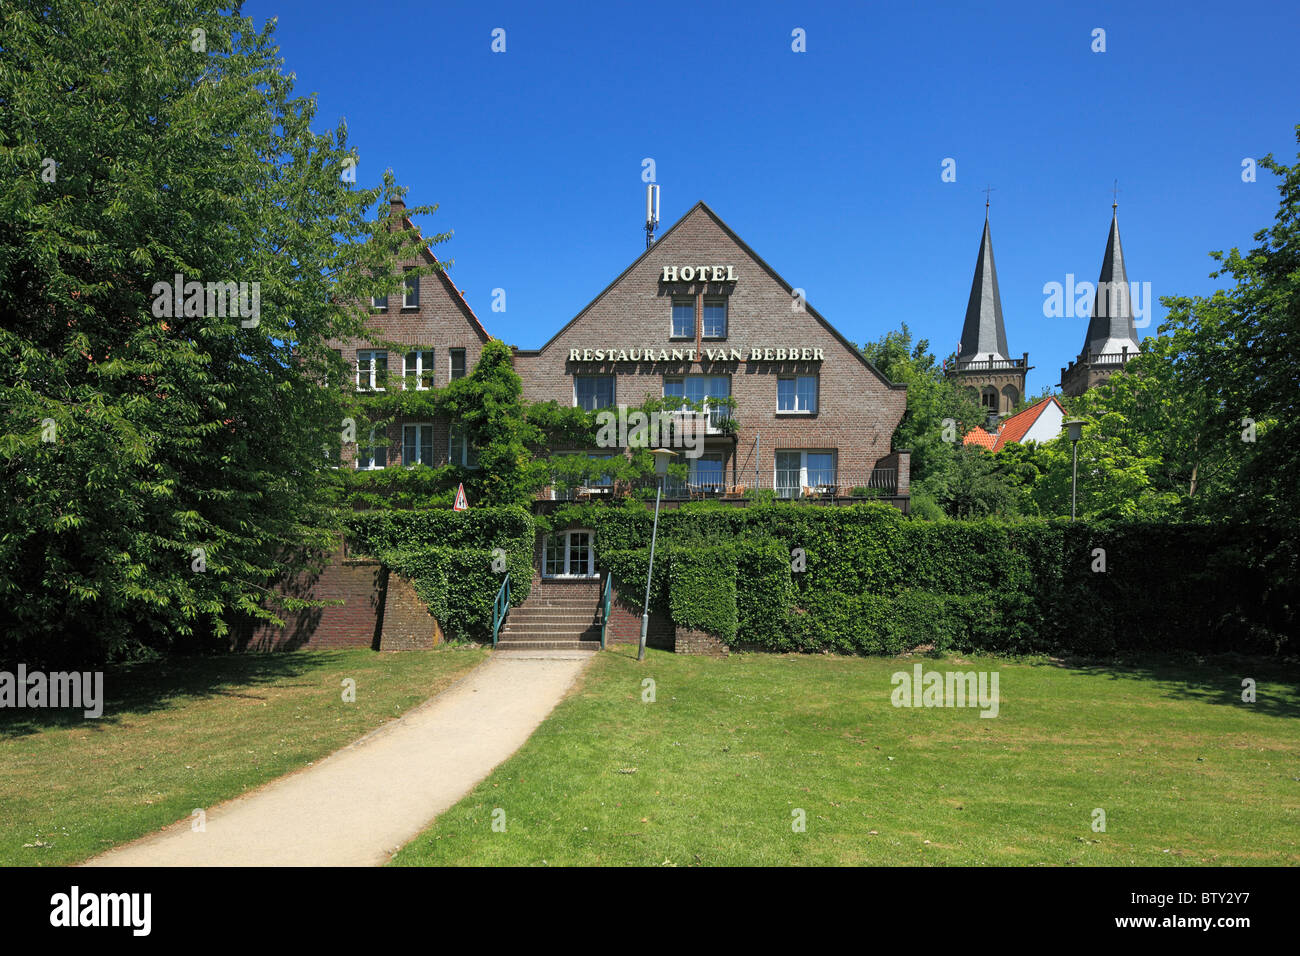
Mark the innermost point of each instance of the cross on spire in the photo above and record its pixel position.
(987, 190)
(1114, 195)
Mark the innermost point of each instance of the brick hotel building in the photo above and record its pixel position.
(698, 315)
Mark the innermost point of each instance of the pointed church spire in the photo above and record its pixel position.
(983, 335)
(1111, 327)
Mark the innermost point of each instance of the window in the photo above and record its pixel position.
(411, 292)
(593, 391)
(797, 470)
(701, 388)
(796, 393)
(989, 398)
(459, 450)
(419, 366)
(372, 371)
(569, 554)
(706, 473)
(715, 317)
(379, 303)
(417, 445)
(457, 363)
(373, 456)
(683, 317)
(601, 481)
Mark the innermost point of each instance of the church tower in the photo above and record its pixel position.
(1111, 339)
(983, 363)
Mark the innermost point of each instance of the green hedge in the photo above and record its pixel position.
(876, 583)
(702, 589)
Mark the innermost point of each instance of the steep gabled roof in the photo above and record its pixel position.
(456, 295)
(983, 335)
(744, 246)
(1012, 429)
(1111, 326)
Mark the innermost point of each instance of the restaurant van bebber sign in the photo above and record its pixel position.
(788, 354)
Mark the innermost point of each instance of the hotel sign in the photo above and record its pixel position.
(699, 274)
(783, 354)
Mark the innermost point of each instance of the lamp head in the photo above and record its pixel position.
(1075, 428)
(662, 458)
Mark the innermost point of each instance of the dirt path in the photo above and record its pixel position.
(360, 804)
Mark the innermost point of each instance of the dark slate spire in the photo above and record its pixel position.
(1111, 327)
(983, 335)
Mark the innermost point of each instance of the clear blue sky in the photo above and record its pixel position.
(826, 162)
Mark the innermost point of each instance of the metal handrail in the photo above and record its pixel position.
(604, 613)
(500, 608)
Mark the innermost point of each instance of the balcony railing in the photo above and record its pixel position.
(784, 484)
(991, 365)
(717, 420)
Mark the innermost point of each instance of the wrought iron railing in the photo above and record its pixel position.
(500, 608)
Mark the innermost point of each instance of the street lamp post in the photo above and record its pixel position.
(662, 456)
(1075, 426)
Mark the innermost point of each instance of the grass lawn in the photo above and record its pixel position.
(190, 733)
(712, 772)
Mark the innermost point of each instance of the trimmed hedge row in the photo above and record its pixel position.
(872, 582)
(867, 580)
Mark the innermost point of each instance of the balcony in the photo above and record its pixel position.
(717, 421)
(992, 365)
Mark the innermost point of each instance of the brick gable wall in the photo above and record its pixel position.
(857, 411)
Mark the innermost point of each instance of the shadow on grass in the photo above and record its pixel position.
(155, 685)
(1207, 679)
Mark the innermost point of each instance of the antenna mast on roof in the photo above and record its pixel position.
(651, 212)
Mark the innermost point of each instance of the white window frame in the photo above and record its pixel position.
(726, 316)
(589, 572)
(816, 397)
(803, 454)
(420, 370)
(459, 456)
(374, 303)
(406, 289)
(372, 387)
(419, 428)
(673, 303)
(716, 416)
(451, 364)
(613, 391)
(371, 448)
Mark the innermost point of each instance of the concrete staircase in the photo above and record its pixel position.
(558, 615)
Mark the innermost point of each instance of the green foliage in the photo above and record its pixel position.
(129, 440)
(765, 594)
(873, 582)
(453, 559)
(459, 585)
(933, 400)
(702, 589)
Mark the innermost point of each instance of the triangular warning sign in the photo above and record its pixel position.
(461, 504)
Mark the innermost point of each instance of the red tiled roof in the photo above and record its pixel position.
(978, 436)
(1012, 429)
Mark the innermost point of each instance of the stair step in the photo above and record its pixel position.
(556, 645)
(540, 617)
